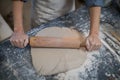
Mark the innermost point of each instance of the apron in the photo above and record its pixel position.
(46, 10)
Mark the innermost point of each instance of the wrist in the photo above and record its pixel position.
(19, 29)
(94, 33)
(94, 30)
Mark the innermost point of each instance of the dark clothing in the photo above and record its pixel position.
(90, 3)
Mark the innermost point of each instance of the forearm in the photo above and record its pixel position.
(94, 20)
(17, 16)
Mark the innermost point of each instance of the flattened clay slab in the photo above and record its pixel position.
(5, 30)
(48, 61)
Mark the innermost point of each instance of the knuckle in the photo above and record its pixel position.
(97, 44)
(20, 40)
(93, 43)
(16, 41)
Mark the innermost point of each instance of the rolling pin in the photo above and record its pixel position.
(56, 42)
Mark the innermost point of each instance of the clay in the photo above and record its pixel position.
(48, 61)
(5, 30)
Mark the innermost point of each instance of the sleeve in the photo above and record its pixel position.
(24, 0)
(90, 3)
(21, 0)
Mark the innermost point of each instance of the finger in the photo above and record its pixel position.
(87, 44)
(11, 41)
(96, 47)
(25, 42)
(99, 45)
(92, 45)
(21, 43)
(16, 43)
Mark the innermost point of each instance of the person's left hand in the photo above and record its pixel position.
(93, 42)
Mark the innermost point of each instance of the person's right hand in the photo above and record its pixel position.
(19, 39)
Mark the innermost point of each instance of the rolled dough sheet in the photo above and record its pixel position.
(48, 61)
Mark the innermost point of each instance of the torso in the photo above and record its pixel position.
(46, 10)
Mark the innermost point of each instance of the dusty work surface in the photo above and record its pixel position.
(16, 64)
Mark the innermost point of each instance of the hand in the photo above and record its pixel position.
(19, 39)
(93, 42)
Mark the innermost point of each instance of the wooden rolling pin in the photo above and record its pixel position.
(56, 42)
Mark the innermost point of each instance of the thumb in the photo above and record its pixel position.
(26, 42)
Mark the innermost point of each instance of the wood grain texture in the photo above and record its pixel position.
(55, 42)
